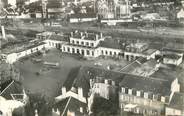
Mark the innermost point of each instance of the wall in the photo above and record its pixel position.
(172, 112)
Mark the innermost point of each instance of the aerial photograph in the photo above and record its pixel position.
(91, 57)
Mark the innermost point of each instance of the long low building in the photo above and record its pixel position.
(86, 43)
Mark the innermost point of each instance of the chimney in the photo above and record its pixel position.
(96, 36)
(3, 32)
(86, 34)
(80, 92)
(106, 81)
(81, 33)
(130, 91)
(113, 83)
(81, 109)
(72, 34)
(101, 35)
(123, 90)
(63, 90)
(57, 112)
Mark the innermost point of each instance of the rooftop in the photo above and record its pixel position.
(86, 35)
(149, 51)
(155, 85)
(138, 45)
(58, 37)
(172, 56)
(10, 87)
(177, 101)
(71, 104)
(110, 43)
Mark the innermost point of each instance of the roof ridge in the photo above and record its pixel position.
(7, 87)
(66, 106)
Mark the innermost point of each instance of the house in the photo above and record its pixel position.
(106, 89)
(136, 50)
(148, 95)
(12, 96)
(138, 94)
(151, 16)
(174, 59)
(176, 105)
(73, 96)
(82, 17)
(180, 15)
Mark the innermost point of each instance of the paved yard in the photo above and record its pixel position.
(48, 81)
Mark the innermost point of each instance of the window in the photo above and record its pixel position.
(114, 53)
(110, 53)
(73, 41)
(82, 43)
(87, 43)
(73, 50)
(63, 48)
(68, 49)
(92, 53)
(92, 44)
(106, 52)
(87, 52)
(102, 52)
(77, 42)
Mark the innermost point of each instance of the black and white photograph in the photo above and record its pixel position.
(91, 57)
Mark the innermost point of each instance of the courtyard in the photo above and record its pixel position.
(39, 78)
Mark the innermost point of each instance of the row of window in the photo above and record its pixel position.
(106, 53)
(72, 50)
(83, 43)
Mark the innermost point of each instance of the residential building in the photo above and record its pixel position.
(12, 2)
(103, 88)
(136, 50)
(148, 96)
(12, 96)
(176, 105)
(172, 56)
(180, 16)
(73, 97)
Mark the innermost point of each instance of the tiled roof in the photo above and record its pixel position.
(151, 84)
(172, 56)
(10, 87)
(71, 104)
(149, 51)
(110, 43)
(177, 101)
(59, 37)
